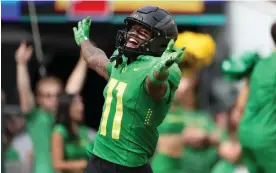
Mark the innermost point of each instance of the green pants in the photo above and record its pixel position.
(162, 163)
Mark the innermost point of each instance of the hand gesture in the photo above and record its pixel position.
(23, 53)
(82, 32)
(170, 56)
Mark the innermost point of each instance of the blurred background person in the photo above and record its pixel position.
(70, 141)
(17, 147)
(230, 151)
(185, 127)
(23, 145)
(257, 132)
(11, 156)
(168, 154)
(258, 153)
(40, 118)
(199, 154)
(13, 124)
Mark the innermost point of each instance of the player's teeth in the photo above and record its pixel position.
(131, 39)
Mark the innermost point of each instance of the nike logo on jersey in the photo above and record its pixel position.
(136, 69)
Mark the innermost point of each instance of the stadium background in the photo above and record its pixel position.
(56, 20)
(235, 26)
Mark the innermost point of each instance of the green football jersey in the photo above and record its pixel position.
(258, 125)
(128, 131)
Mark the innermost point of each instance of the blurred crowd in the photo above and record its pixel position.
(47, 133)
(52, 115)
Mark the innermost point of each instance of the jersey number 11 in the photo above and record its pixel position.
(116, 128)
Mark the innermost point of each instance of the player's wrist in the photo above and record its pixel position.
(157, 80)
(83, 40)
(161, 68)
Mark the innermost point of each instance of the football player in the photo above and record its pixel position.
(257, 127)
(142, 79)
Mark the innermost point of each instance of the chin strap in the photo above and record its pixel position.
(118, 58)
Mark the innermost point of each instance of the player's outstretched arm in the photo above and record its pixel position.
(94, 57)
(157, 80)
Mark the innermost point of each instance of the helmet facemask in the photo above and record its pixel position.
(158, 22)
(154, 46)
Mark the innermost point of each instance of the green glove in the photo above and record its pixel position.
(169, 57)
(236, 67)
(82, 33)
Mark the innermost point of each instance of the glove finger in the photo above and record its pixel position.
(83, 22)
(170, 61)
(79, 25)
(170, 45)
(75, 30)
(88, 21)
(180, 55)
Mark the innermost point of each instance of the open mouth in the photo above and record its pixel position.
(132, 43)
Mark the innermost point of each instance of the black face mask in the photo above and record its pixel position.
(121, 41)
(153, 47)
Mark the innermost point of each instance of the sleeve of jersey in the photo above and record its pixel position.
(173, 80)
(61, 130)
(238, 67)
